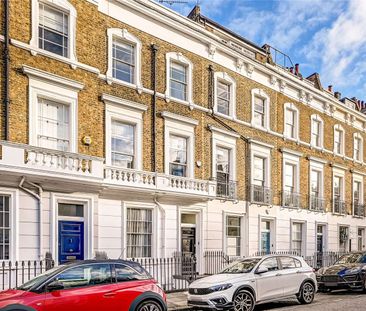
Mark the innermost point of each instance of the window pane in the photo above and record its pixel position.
(259, 171)
(71, 210)
(223, 97)
(123, 144)
(139, 232)
(123, 56)
(178, 80)
(270, 263)
(289, 177)
(4, 228)
(287, 263)
(125, 273)
(53, 125)
(88, 275)
(53, 30)
(178, 155)
(222, 160)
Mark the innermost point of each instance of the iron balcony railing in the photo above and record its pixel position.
(339, 207)
(358, 209)
(316, 203)
(291, 199)
(260, 195)
(226, 189)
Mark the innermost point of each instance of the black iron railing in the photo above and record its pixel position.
(358, 209)
(260, 195)
(14, 274)
(339, 207)
(316, 203)
(291, 199)
(226, 189)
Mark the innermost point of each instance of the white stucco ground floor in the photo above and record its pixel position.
(80, 225)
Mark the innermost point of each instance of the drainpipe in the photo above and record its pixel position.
(162, 210)
(154, 49)
(38, 197)
(6, 57)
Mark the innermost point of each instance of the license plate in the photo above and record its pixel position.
(327, 284)
(70, 257)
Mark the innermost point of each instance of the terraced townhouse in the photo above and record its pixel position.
(131, 130)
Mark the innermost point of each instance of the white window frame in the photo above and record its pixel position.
(262, 95)
(125, 36)
(317, 118)
(13, 195)
(242, 232)
(317, 166)
(337, 172)
(293, 108)
(325, 235)
(55, 88)
(181, 59)
(291, 158)
(303, 235)
(359, 178)
(263, 151)
(358, 136)
(129, 112)
(225, 78)
(175, 124)
(64, 6)
(339, 128)
(224, 139)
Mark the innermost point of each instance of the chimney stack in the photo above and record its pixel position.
(337, 95)
(330, 88)
(292, 69)
(297, 69)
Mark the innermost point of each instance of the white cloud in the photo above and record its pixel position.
(340, 48)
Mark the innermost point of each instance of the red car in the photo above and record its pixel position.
(86, 286)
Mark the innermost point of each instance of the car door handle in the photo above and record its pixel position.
(298, 271)
(278, 274)
(109, 295)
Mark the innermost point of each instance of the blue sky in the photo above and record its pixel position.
(324, 36)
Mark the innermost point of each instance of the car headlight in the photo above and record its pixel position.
(353, 270)
(218, 288)
(320, 271)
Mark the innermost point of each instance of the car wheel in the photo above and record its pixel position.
(149, 305)
(307, 293)
(244, 301)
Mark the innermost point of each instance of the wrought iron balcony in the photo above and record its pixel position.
(358, 209)
(316, 203)
(339, 207)
(260, 195)
(291, 199)
(226, 189)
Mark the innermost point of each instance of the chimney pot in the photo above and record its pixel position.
(330, 88)
(337, 95)
(292, 69)
(297, 69)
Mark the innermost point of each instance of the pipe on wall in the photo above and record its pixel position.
(154, 49)
(6, 58)
(38, 197)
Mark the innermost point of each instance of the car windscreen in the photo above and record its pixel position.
(39, 279)
(242, 266)
(350, 258)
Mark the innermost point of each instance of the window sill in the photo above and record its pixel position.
(110, 80)
(258, 127)
(225, 116)
(74, 64)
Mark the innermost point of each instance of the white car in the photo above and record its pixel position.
(255, 280)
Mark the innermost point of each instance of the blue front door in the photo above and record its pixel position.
(70, 241)
(266, 242)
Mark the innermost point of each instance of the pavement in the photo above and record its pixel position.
(334, 301)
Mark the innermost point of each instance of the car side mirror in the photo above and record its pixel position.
(55, 285)
(261, 270)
